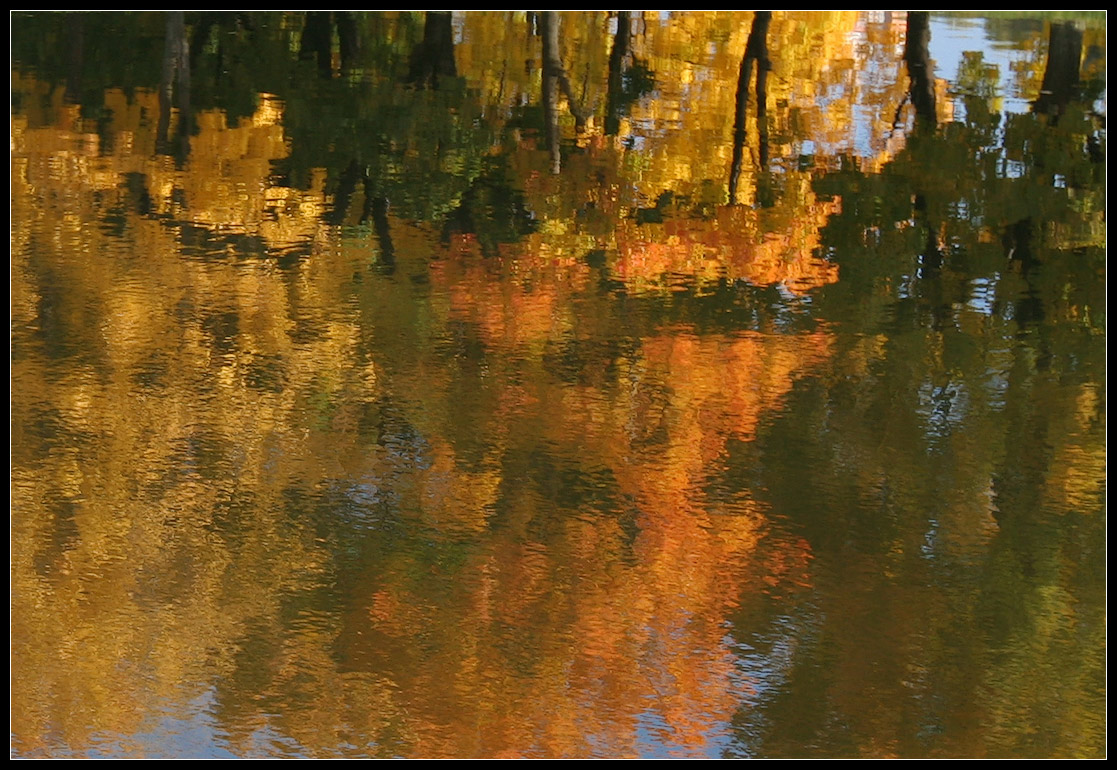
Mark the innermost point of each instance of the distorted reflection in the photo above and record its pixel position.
(574, 384)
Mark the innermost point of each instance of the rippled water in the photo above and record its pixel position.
(404, 401)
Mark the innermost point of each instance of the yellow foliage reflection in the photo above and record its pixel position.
(306, 481)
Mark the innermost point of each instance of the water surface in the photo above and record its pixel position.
(503, 384)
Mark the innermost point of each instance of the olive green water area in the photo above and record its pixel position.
(558, 385)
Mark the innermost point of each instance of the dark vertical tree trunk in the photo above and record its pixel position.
(921, 89)
(930, 261)
(175, 81)
(1018, 243)
(618, 57)
(1060, 78)
(756, 50)
(739, 123)
(317, 41)
(433, 58)
(77, 55)
(757, 47)
(346, 186)
(347, 38)
(917, 56)
(377, 206)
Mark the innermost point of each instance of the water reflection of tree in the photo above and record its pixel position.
(756, 54)
(555, 80)
(379, 600)
(316, 41)
(957, 383)
(175, 82)
(1061, 75)
(433, 58)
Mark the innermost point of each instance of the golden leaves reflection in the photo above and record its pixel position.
(371, 514)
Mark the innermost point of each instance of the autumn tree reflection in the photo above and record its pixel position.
(619, 56)
(433, 57)
(1061, 75)
(175, 81)
(917, 56)
(983, 322)
(555, 80)
(356, 430)
(756, 54)
(317, 40)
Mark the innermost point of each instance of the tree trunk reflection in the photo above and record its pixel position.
(756, 50)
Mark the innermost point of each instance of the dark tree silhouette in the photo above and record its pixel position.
(433, 58)
(76, 54)
(921, 88)
(917, 56)
(375, 207)
(317, 40)
(175, 81)
(756, 51)
(1020, 250)
(618, 58)
(1061, 76)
